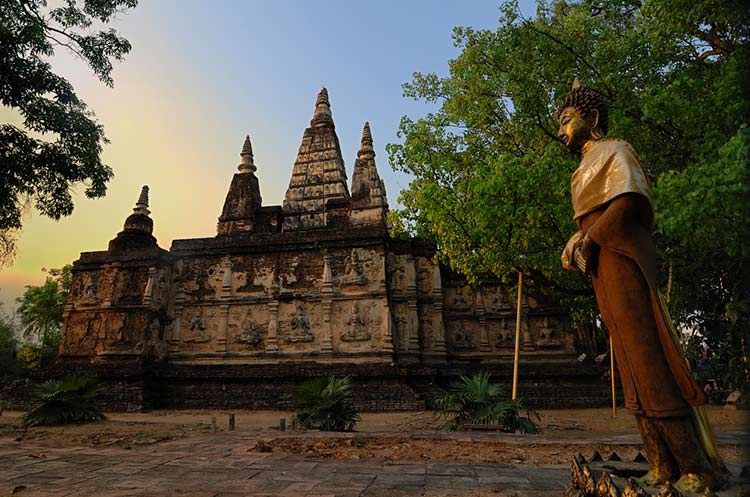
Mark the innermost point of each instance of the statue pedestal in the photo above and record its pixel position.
(613, 477)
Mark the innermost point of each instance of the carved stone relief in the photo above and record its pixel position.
(547, 336)
(424, 275)
(90, 288)
(129, 285)
(249, 335)
(357, 323)
(458, 298)
(500, 302)
(196, 329)
(300, 329)
(355, 272)
(460, 336)
(504, 335)
(397, 269)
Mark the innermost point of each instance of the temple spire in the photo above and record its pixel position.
(366, 147)
(322, 116)
(317, 190)
(141, 206)
(369, 204)
(247, 164)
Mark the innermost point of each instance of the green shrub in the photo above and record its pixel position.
(474, 400)
(327, 404)
(65, 401)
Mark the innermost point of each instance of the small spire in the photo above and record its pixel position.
(366, 134)
(141, 206)
(323, 98)
(366, 148)
(576, 85)
(247, 164)
(322, 116)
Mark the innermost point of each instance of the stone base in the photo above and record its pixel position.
(613, 477)
(378, 386)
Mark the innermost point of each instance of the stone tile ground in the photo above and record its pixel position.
(223, 465)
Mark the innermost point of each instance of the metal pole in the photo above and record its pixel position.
(518, 336)
(612, 376)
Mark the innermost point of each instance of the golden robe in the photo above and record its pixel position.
(613, 206)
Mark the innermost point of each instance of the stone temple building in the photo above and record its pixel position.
(285, 293)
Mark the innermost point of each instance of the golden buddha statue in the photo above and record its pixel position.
(613, 208)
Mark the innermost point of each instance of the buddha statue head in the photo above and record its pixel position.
(583, 117)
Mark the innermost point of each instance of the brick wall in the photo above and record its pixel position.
(377, 387)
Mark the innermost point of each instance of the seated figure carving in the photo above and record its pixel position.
(300, 328)
(248, 336)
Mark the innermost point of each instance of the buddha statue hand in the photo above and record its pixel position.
(585, 255)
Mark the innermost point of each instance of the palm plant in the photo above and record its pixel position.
(474, 400)
(65, 401)
(326, 404)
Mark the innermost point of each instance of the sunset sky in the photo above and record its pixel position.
(203, 74)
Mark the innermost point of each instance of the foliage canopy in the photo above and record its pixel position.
(61, 143)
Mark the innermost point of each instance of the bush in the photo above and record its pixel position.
(65, 401)
(477, 401)
(327, 404)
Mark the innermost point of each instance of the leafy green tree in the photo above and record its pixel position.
(326, 404)
(65, 401)
(41, 312)
(61, 144)
(475, 400)
(491, 180)
(8, 349)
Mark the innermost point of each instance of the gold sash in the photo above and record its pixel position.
(608, 169)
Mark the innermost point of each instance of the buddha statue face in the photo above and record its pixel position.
(576, 129)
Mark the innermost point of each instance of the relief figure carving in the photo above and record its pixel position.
(547, 335)
(355, 273)
(357, 332)
(196, 329)
(300, 331)
(249, 335)
(504, 335)
(500, 302)
(90, 297)
(463, 339)
(459, 301)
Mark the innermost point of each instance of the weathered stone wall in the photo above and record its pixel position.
(377, 387)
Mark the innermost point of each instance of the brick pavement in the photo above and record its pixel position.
(222, 464)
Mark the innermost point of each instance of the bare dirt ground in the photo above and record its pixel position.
(411, 436)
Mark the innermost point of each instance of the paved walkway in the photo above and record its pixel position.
(221, 464)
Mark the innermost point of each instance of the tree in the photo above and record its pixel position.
(8, 347)
(61, 144)
(41, 311)
(491, 181)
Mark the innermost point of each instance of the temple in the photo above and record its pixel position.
(284, 293)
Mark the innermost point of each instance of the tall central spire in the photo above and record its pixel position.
(319, 176)
(322, 116)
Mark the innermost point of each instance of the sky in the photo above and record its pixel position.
(201, 75)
